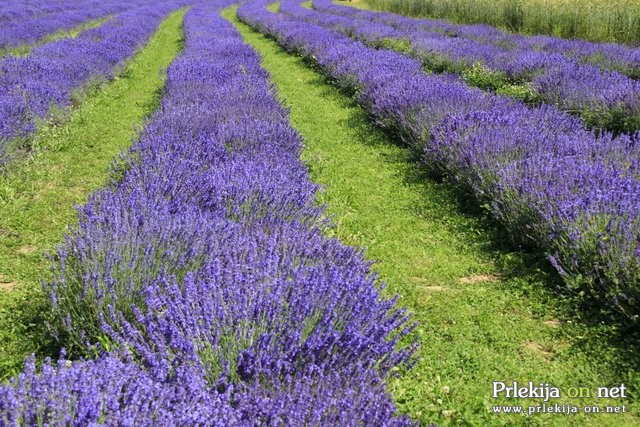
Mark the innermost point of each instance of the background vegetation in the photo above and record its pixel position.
(597, 20)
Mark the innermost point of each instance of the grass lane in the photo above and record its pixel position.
(486, 313)
(37, 195)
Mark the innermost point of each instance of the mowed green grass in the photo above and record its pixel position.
(486, 312)
(38, 194)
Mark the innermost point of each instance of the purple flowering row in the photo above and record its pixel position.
(25, 9)
(115, 392)
(554, 184)
(22, 10)
(108, 391)
(204, 269)
(611, 56)
(27, 23)
(603, 98)
(31, 86)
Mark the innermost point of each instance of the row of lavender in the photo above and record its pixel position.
(553, 183)
(602, 98)
(205, 270)
(612, 56)
(25, 9)
(31, 86)
(28, 23)
(10, 11)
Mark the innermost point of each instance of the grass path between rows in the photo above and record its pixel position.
(486, 313)
(38, 195)
(25, 49)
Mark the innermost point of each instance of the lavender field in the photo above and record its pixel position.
(211, 265)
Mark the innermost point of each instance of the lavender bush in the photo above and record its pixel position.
(109, 391)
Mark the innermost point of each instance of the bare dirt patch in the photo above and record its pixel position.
(8, 286)
(7, 233)
(553, 323)
(435, 288)
(479, 278)
(538, 348)
(27, 250)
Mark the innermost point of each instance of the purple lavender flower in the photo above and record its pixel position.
(109, 391)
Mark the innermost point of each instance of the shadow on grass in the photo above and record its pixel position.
(24, 316)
